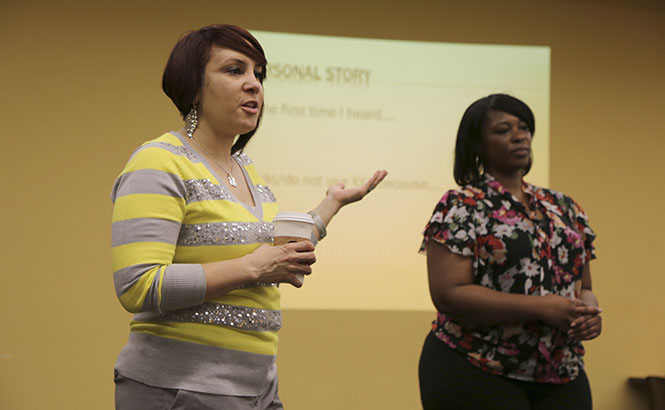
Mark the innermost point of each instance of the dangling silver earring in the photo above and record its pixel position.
(191, 121)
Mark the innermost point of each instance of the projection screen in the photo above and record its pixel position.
(337, 109)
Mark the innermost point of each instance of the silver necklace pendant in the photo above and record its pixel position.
(232, 181)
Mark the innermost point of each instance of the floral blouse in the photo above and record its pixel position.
(537, 251)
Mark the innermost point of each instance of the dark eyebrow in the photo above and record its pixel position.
(235, 61)
(506, 122)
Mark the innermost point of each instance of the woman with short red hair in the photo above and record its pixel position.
(192, 240)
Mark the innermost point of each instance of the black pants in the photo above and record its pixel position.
(449, 381)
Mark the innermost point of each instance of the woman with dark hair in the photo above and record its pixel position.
(508, 268)
(192, 240)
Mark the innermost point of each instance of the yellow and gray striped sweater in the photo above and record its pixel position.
(170, 215)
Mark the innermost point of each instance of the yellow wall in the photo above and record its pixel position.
(80, 87)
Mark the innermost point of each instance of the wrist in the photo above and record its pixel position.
(318, 224)
(588, 297)
(248, 266)
(541, 307)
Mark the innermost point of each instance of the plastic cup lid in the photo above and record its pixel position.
(293, 216)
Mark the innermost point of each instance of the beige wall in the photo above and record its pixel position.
(80, 87)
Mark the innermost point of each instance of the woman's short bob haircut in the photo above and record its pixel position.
(468, 159)
(184, 72)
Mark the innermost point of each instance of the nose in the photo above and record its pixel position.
(252, 84)
(520, 135)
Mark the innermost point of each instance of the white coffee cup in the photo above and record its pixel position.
(292, 227)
